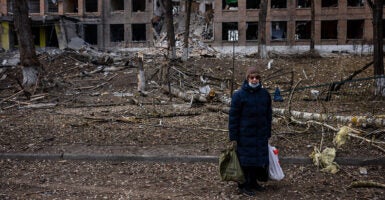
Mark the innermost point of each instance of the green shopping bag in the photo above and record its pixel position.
(229, 167)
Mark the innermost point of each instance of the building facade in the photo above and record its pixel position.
(110, 24)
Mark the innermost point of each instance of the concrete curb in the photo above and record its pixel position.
(171, 158)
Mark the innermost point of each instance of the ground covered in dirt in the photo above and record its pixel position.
(82, 108)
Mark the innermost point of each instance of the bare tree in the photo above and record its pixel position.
(187, 30)
(28, 58)
(312, 28)
(170, 28)
(262, 51)
(377, 12)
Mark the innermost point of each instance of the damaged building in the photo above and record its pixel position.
(111, 24)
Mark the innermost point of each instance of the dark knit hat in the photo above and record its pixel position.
(253, 70)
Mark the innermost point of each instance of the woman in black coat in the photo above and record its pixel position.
(250, 120)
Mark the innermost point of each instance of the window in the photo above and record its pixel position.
(117, 5)
(230, 31)
(252, 31)
(10, 6)
(355, 3)
(252, 4)
(329, 29)
(116, 32)
(303, 3)
(138, 32)
(230, 4)
(91, 33)
(91, 5)
(329, 3)
(302, 30)
(34, 6)
(138, 6)
(355, 29)
(278, 3)
(70, 6)
(52, 6)
(278, 30)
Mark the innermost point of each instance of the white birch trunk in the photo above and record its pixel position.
(380, 87)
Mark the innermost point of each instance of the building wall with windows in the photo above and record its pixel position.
(337, 22)
(110, 24)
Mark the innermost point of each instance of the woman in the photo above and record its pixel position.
(250, 119)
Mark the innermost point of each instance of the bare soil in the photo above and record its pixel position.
(102, 113)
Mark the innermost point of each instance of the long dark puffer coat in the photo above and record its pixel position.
(250, 119)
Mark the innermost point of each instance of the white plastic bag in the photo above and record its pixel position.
(275, 170)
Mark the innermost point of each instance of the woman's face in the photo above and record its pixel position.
(253, 78)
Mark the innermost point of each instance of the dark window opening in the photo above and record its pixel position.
(51, 37)
(117, 5)
(117, 32)
(34, 6)
(91, 5)
(302, 30)
(329, 29)
(355, 29)
(10, 6)
(53, 6)
(138, 32)
(278, 3)
(36, 35)
(230, 31)
(303, 3)
(383, 28)
(252, 31)
(91, 33)
(252, 4)
(70, 6)
(230, 4)
(138, 6)
(329, 3)
(278, 30)
(13, 39)
(355, 3)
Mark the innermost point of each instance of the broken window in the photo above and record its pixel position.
(251, 30)
(355, 29)
(138, 32)
(329, 29)
(91, 5)
(34, 6)
(278, 3)
(51, 37)
(302, 30)
(355, 3)
(117, 32)
(230, 31)
(117, 5)
(252, 4)
(303, 3)
(70, 6)
(35, 34)
(278, 30)
(52, 6)
(138, 6)
(230, 4)
(329, 3)
(10, 6)
(91, 33)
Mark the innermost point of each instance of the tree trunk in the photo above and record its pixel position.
(170, 28)
(28, 58)
(262, 51)
(312, 36)
(187, 30)
(378, 59)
